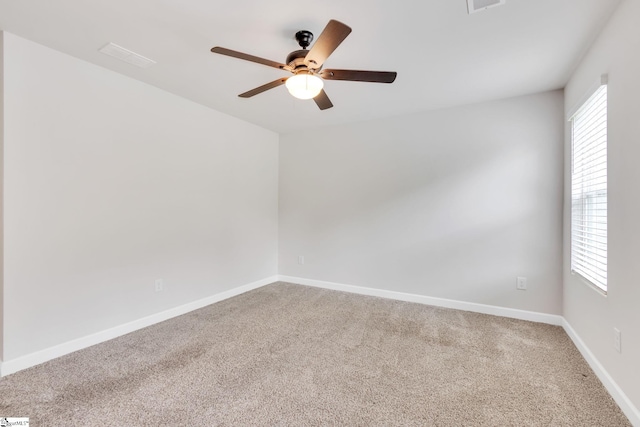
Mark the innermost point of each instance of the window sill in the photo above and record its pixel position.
(590, 284)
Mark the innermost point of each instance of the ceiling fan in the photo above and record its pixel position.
(306, 66)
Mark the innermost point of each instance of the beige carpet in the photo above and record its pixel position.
(298, 356)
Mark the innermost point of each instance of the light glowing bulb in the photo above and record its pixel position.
(304, 85)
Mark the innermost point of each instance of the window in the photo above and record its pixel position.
(589, 189)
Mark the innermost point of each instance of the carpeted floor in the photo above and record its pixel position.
(299, 356)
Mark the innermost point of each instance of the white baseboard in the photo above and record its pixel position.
(532, 316)
(18, 364)
(612, 387)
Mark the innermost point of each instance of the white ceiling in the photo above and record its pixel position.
(444, 57)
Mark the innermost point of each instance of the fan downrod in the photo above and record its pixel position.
(304, 38)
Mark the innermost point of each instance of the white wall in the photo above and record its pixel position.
(453, 203)
(592, 315)
(1, 194)
(111, 184)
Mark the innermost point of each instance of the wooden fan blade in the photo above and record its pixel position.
(330, 38)
(322, 100)
(263, 88)
(247, 57)
(360, 76)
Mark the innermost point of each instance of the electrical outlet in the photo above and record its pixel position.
(617, 340)
(521, 283)
(300, 259)
(159, 285)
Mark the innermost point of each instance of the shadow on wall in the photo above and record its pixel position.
(459, 226)
(456, 214)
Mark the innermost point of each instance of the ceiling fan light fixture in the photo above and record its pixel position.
(304, 85)
(305, 65)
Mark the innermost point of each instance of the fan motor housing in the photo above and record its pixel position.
(296, 59)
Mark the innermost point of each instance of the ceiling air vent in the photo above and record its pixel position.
(126, 55)
(480, 5)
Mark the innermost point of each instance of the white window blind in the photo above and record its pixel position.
(589, 189)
